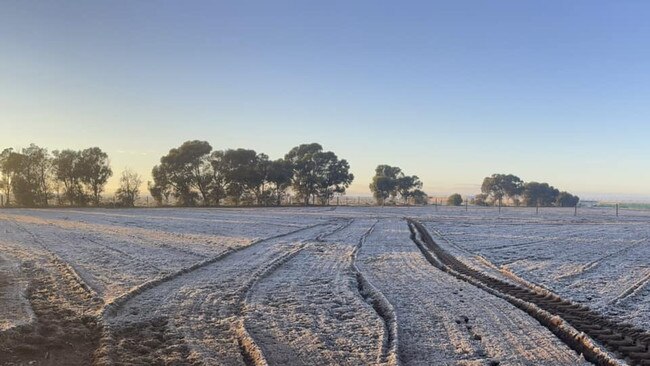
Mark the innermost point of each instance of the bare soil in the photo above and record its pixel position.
(63, 332)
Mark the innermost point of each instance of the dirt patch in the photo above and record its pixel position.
(150, 343)
(61, 334)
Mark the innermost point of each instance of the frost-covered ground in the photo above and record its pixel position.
(302, 286)
(594, 258)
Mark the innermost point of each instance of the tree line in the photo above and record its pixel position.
(498, 187)
(34, 177)
(389, 182)
(195, 175)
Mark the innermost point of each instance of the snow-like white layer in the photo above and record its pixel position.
(595, 258)
(115, 250)
(310, 308)
(253, 280)
(14, 309)
(442, 320)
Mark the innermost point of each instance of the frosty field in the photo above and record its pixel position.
(324, 286)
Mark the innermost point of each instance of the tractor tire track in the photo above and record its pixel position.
(381, 305)
(251, 352)
(310, 308)
(68, 272)
(60, 303)
(117, 303)
(633, 290)
(596, 262)
(574, 324)
(445, 321)
(204, 303)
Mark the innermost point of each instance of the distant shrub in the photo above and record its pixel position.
(455, 200)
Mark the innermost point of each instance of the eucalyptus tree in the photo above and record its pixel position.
(500, 186)
(94, 171)
(384, 182)
(407, 185)
(455, 200)
(26, 175)
(389, 181)
(566, 199)
(185, 172)
(244, 174)
(279, 175)
(419, 197)
(317, 173)
(67, 170)
(334, 176)
(541, 194)
(305, 174)
(38, 173)
(161, 188)
(7, 173)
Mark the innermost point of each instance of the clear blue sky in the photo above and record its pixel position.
(452, 91)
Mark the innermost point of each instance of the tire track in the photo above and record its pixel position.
(574, 324)
(596, 262)
(125, 254)
(251, 352)
(381, 305)
(68, 272)
(118, 302)
(162, 239)
(321, 238)
(446, 321)
(499, 247)
(201, 289)
(633, 290)
(61, 303)
(310, 308)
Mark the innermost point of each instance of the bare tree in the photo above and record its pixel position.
(129, 190)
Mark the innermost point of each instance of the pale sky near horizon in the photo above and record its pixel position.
(452, 91)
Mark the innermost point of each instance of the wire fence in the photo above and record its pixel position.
(434, 203)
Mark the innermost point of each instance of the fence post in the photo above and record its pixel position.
(499, 206)
(537, 209)
(575, 212)
(617, 210)
(2, 201)
(466, 203)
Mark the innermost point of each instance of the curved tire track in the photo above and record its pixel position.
(251, 352)
(205, 278)
(118, 302)
(574, 324)
(633, 290)
(380, 304)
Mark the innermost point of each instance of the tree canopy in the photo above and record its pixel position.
(33, 177)
(389, 181)
(541, 194)
(317, 173)
(455, 200)
(194, 174)
(499, 186)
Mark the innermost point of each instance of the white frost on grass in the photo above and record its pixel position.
(442, 320)
(596, 258)
(310, 308)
